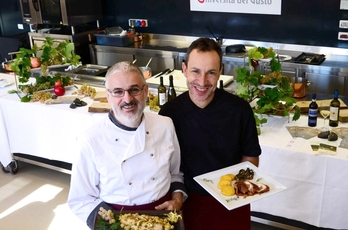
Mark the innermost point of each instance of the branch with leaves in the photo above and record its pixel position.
(273, 100)
(52, 53)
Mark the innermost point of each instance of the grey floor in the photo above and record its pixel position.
(35, 199)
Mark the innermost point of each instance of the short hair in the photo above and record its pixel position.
(123, 67)
(204, 45)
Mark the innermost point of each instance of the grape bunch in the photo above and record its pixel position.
(107, 215)
(40, 96)
(86, 90)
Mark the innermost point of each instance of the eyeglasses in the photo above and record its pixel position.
(119, 92)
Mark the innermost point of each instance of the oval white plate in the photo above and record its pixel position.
(284, 57)
(7, 84)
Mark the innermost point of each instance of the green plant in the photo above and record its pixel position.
(272, 91)
(51, 53)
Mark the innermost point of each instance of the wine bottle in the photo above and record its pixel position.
(313, 111)
(161, 93)
(171, 90)
(221, 84)
(334, 110)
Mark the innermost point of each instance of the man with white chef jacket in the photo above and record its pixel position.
(131, 159)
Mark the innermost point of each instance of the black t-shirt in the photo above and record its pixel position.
(214, 137)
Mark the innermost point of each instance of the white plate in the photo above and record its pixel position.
(50, 67)
(7, 84)
(284, 57)
(265, 59)
(209, 182)
(51, 90)
(263, 86)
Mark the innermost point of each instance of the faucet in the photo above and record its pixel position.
(219, 40)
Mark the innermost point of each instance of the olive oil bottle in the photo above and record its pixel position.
(221, 84)
(171, 90)
(313, 111)
(161, 93)
(334, 110)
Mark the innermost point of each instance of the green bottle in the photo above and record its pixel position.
(334, 110)
(161, 93)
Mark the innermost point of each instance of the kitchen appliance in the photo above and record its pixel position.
(239, 48)
(60, 12)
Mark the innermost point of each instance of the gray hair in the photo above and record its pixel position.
(123, 67)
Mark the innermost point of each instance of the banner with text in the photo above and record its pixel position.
(238, 6)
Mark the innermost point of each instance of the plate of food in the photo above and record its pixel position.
(239, 185)
(126, 219)
(67, 87)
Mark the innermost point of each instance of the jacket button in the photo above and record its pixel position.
(151, 154)
(130, 183)
(116, 139)
(153, 178)
(147, 132)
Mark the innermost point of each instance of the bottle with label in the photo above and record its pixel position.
(313, 111)
(161, 93)
(334, 110)
(221, 84)
(171, 90)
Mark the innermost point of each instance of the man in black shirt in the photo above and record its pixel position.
(215, 129)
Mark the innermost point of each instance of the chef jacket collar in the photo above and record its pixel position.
(118, 124)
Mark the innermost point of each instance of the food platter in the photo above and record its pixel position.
(310, 58)
(177, 226)
(209, 182)
(52, 89)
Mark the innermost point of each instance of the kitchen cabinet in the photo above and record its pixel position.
(326, 80)
(231, 64)
(109, 55)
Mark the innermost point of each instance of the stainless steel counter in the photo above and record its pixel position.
(170, 50)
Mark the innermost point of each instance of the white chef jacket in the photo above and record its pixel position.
(124, 167)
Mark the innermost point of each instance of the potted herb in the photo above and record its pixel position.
(271, 92)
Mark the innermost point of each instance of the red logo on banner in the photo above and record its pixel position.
(201, 1)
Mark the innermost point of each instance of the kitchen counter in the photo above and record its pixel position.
(335, 57)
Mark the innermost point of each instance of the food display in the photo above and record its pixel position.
(225, 184)
(239, 185)
(138, 220)
(86, 90)
(40, 96)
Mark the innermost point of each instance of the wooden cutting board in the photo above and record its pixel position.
(99, 107)
(323, 104)
(100, 95)
(343, 115)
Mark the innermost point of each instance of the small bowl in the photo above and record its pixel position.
(7, 66)
(146, 71)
